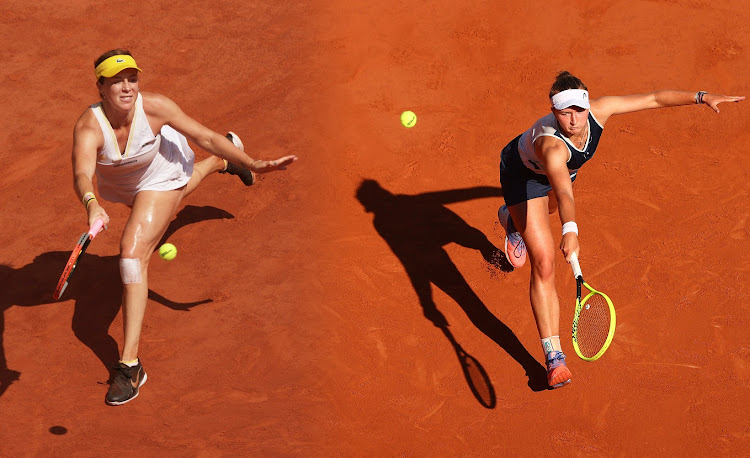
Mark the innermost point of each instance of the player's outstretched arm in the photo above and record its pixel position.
(166, 111)
(604, 107)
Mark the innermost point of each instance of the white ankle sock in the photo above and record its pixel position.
(550, 344)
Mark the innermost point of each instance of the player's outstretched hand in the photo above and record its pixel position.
(260, 166)
(713, 100)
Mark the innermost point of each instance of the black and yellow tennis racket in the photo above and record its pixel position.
(594, 320)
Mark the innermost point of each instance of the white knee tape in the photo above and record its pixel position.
(130, 270)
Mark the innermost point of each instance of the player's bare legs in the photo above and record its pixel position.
(149, 218)
(152, 211)
(531, 219)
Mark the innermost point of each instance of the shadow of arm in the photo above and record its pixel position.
(461, 195)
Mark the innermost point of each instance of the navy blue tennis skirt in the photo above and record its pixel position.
(519, 183)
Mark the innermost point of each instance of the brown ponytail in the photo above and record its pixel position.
(565, 81)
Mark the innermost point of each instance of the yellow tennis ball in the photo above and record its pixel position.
(408, 118)
(167, 251)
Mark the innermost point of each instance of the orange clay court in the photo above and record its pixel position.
(293, 329)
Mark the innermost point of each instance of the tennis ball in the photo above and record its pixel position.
(168, 251)
(408, 119)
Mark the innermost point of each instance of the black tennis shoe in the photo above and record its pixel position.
(246, 175)
(126, 382)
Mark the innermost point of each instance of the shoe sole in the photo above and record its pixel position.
(116, 403)
(232, 136)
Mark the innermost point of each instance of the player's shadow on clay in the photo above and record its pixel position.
(95, 287)
(416, 228)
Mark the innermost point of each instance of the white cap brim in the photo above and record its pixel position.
(571, 98)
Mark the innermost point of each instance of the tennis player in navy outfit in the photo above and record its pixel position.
(537, 171)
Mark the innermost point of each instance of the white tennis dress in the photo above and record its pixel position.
(150, 162)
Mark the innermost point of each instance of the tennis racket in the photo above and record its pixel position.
(79, 249)
(594, 320)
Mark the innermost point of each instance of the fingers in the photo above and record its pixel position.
(728, 98)
(569, 256)
(568, 249)
(102, 216)
(717, 99)
(280, 165)
(100, 213)
(286, 160)
(277, 164)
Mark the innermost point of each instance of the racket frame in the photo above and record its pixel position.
(78, 250)
(579, 307)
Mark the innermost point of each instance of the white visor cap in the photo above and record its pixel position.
(571, 97)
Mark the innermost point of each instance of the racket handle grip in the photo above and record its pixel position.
(96, 227)
(575, 266)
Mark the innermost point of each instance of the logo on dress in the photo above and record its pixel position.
(125, 163)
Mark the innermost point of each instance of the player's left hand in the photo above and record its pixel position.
(713, 100)
(260, 166)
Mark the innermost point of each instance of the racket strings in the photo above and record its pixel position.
(593, 325)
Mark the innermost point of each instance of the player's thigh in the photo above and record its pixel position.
(532, 221)
(149, 218)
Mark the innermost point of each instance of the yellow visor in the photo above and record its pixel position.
(114, 65)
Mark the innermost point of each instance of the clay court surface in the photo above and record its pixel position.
(291, 322)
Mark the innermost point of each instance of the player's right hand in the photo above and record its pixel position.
(569, 245)
(96, 212)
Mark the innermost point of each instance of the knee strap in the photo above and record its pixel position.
(130, 270)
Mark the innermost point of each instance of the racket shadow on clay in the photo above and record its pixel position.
(97, 303)
(476, 377)
(416, 228)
